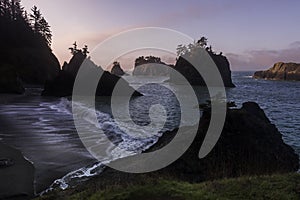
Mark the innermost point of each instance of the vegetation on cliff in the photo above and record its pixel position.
(150, 66)
(191, 51)
(62, 84)
(25, 43)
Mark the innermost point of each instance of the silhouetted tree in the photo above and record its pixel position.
(202, 42)
(85, 50)
(35, 17)
(116, 64)
(45, 30)
(192, 48)
(74, 49)
(148, 59)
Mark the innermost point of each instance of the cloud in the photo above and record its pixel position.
(263, 59)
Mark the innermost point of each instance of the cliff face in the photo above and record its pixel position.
(26, 52)
(62, 84)
(191, 74)
(280, 71)
(9, 80)
(34, 65)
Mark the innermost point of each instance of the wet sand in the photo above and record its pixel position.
(54, 154)
(17, 177)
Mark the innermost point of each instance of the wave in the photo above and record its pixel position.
(111, 130)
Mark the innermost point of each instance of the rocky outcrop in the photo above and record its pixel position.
(151, 69)
(280, 71)
(194, 78)
(249, 145)
(62, 85)
(117, 70)
(150, 66)
(9, 80)
(17, 174)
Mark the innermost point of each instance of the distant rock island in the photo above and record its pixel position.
(280, 71)
(190, 73)
(117, 69)
(150, 66)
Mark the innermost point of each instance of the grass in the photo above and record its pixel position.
(263, 187)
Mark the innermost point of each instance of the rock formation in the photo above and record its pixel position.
(117, 70)
(150, 66)
(249, 145)
(191, 74)
(280, 71)
(62, 85)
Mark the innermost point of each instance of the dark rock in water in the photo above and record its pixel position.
(17, 174)
(9, 80)
(6, 162)
(280, 71)
(117, 70)
(62, 85)
(249, 145)
(191, 74)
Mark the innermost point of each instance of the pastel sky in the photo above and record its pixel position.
(252, 34)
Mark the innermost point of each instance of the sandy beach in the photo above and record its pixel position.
(53, 154)
(16, 178)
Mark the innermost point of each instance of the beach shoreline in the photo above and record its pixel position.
(17, 177)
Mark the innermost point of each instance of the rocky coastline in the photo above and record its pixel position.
(250, 145)
(280, 71)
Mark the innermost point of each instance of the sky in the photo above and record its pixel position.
(252, 34)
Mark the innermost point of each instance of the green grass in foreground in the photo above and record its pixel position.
(263, 187)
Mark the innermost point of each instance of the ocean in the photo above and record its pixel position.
(43, 128)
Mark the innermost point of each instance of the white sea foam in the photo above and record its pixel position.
(111, 130)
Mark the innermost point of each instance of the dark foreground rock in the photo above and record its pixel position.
(62, 85)
(10, 81)
(192, 75)
(280, 71)
(249, 145)
(16, 174)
